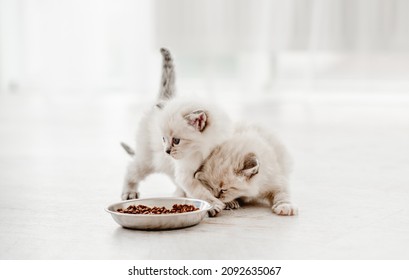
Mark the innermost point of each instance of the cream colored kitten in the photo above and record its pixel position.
(252, 164)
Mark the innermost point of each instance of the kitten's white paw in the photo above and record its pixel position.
(285, 209)
(234, 204)
(217, 208)
(129, 195)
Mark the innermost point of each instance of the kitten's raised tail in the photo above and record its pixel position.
(167, 86)
(128, 149)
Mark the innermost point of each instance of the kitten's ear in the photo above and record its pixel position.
(250, 165)
(197, 119)
(199, 175)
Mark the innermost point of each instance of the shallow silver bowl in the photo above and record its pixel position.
(159, 221)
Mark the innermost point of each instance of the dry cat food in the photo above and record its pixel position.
(143, 209)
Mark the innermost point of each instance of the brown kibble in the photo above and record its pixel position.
(143, 209)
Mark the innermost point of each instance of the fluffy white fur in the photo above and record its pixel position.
(174, 138)
(199, 128)
(148, 156)
(193, 143)
(252, 164)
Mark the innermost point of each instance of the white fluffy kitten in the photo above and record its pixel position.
(174, 138)
(252, 164)
(190, 131)
(148, 156)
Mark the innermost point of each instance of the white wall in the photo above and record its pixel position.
(75, 45)
(94, 46)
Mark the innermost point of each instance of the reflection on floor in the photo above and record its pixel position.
(61, 165)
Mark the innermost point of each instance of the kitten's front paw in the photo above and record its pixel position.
(217, 208)
(129, 195)
(234, 204)
(285, 209)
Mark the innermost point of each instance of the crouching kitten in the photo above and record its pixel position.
(251, 165)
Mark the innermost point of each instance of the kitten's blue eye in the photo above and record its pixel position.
(176, 141)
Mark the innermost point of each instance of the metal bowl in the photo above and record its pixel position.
(159, 221)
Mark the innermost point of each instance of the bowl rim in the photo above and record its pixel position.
(207, 207)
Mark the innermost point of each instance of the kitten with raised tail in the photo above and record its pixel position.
(148, 156)
(174, 138)
(251, 165)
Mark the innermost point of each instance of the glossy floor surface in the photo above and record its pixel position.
(61, 165)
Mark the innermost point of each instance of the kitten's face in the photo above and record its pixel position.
(228, 187)
(230, 181)
(181, 133)
(177, 145)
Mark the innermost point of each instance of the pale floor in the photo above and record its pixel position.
(61, 165)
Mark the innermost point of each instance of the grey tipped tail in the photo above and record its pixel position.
(128, 149)
(167, 86)
(166, 54)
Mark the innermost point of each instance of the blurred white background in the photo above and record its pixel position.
(90, 46)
